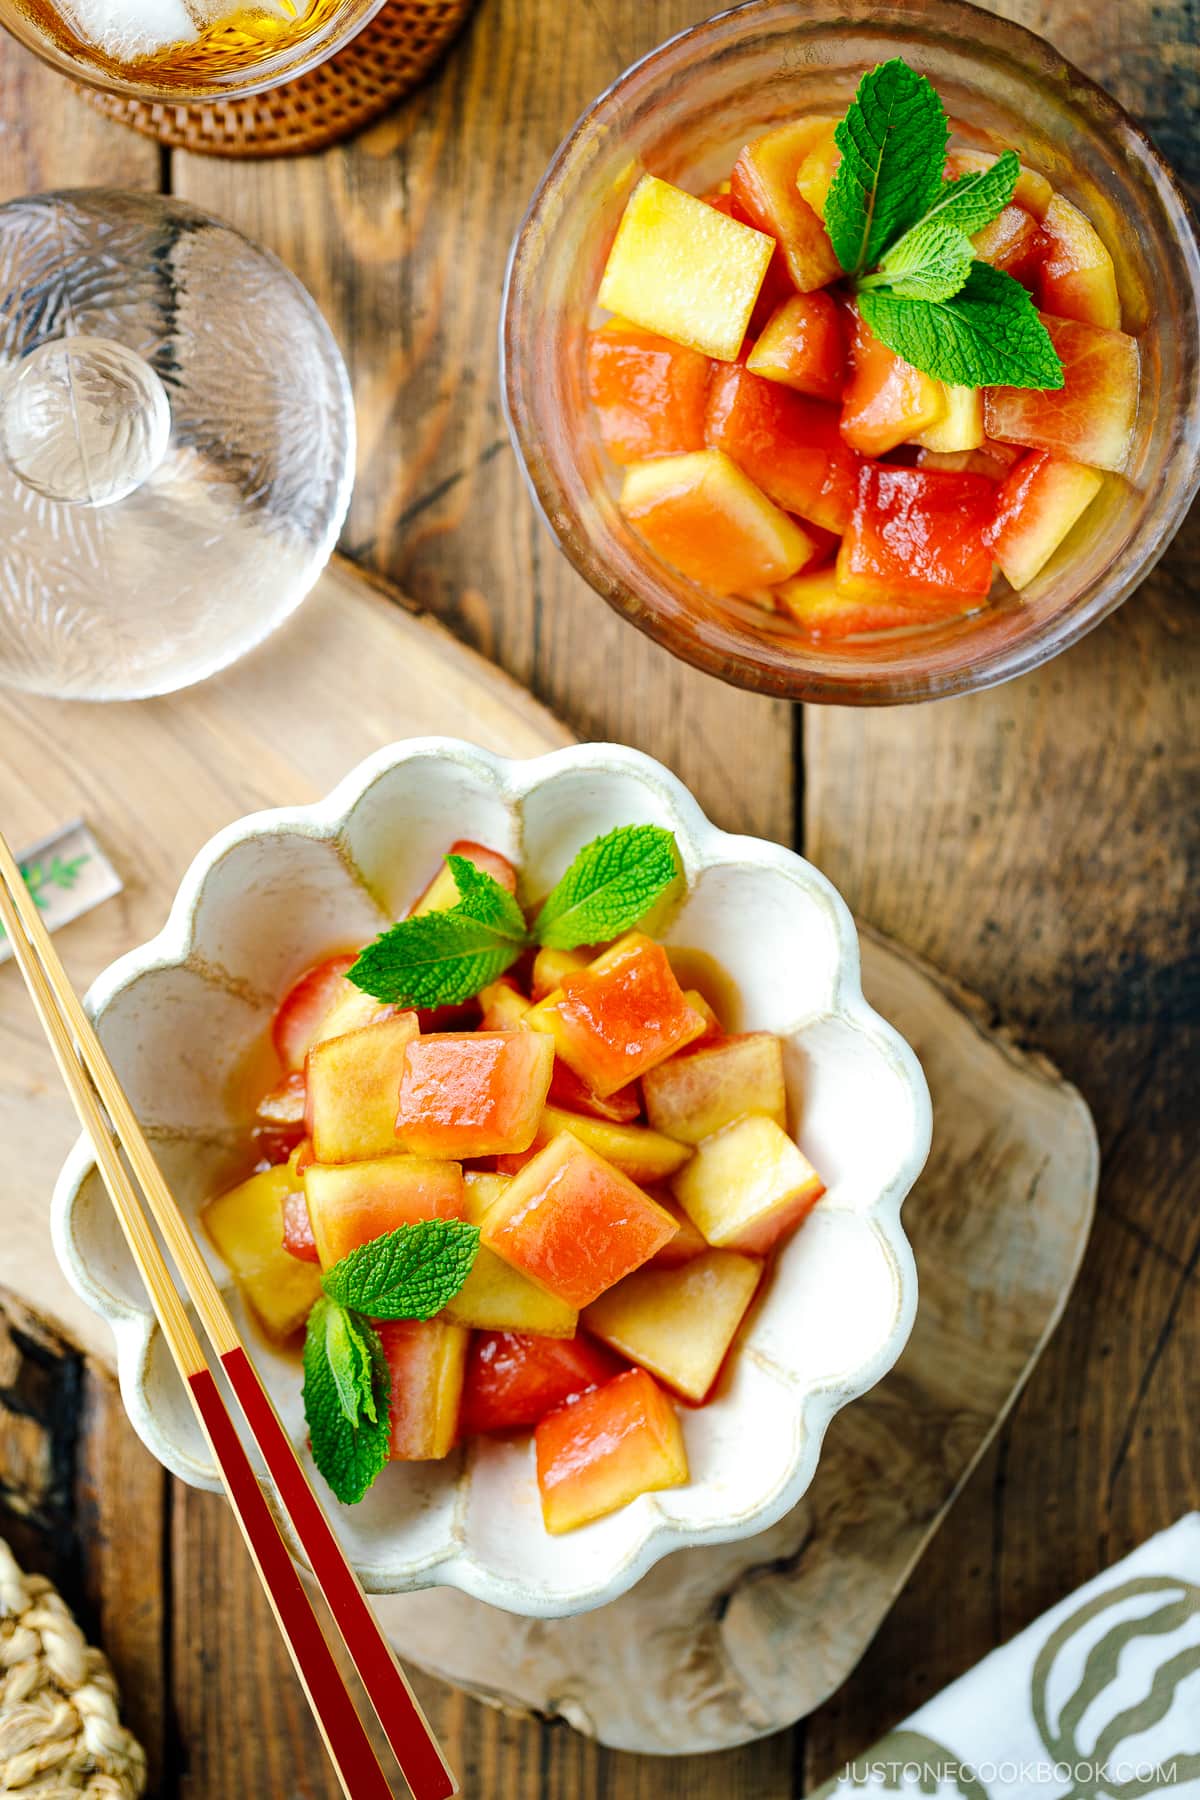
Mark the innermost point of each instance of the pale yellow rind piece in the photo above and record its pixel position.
(1075, 487)
(681, 268)
(814, 177)
(638, 1152)
(353, 1088)
(246, 1226)
(1087, 290)
(691, 1096)
(961, 424)
(503, 1007)
(353, 1012)
(747, 1186)
(551, 967)
(678, 1323)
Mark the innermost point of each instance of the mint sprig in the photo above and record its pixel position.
(348, 1353)
(345, 1400)
(612, 883)
(409, 1273)
(893, 143)
(973, 200)
(930, 262)
(989, 333)
(486, 900)
(443, 958)
(903, 235)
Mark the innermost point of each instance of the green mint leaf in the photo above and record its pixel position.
(987, 335)
(409, 1273)
(893, 144)
(439, 959)
(349, 1358)
(481, 896)
(442, 958)
(612, 883)
(972, 201)
(933, 258)
(930, 262)
(348, 1455)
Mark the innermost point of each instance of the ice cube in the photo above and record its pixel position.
(127, 29)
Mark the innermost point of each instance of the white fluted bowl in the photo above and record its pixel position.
(272, 894)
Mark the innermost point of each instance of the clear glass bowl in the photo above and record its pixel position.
(683, 112)
(276, 41)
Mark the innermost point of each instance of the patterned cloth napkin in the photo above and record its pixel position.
(1099, 1700)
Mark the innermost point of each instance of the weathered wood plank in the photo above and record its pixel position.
(239, 1717)
(230, 1673)
(40, 1391)
(121, 1512)
(1036, 841)
(50, 138)
(1141, 51)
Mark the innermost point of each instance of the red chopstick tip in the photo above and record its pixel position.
(408, 1732)
(356, 1762)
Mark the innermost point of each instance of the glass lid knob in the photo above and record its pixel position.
(84, 420)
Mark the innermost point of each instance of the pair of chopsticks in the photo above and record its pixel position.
(108, 1120)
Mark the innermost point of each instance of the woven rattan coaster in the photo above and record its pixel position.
(402, 43)
(60, 1734)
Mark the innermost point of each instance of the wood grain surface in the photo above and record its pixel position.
(1033, 842)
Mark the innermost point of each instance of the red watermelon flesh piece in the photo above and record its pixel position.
(1039, 501)
(822, 610)
(514, 1378)
(649, 394)
(1091, 418)
(919, 535)
(788, 444)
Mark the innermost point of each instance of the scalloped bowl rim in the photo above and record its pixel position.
(134, 1327)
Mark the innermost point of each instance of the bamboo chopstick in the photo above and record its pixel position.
(87, 1073)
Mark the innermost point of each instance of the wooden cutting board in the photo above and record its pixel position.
(714, 1646)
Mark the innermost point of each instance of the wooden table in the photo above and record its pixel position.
(1033, 842)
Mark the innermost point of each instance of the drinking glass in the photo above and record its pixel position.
(185, 50)
(176, 444)
(683, 113)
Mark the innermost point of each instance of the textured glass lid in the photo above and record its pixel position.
(176, 443)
